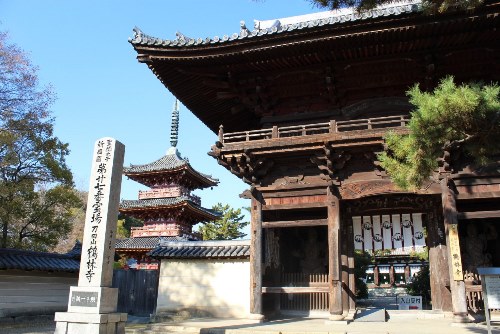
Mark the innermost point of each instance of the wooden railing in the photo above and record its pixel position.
(474, 297)
(313, 129)
(302, 292)
(473, 291)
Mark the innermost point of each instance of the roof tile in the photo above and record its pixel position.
(42, 261)
(202, 249)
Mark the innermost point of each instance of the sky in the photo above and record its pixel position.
(81, 48)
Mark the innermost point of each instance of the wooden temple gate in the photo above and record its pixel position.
(305, 107)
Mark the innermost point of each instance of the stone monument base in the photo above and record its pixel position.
(85, 323)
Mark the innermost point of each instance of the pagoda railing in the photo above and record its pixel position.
(314, 129)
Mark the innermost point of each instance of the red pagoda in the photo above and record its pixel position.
(169, 210)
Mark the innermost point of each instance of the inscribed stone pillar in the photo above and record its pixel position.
(256, 256)
(457, 285)
(334, 259)
(92, 304)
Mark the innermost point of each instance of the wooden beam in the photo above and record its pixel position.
(480, 195)
(294, 206)
(310, 192)
(256, 255)
(478, 215)
(294, 289)
(295, 223)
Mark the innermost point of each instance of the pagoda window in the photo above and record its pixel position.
(370, 277)
(384, 275)
(399, 274)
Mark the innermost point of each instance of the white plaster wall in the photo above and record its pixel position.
(34, 293)
(219, 287)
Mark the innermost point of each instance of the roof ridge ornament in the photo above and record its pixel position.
(244, 32)
(174, 132)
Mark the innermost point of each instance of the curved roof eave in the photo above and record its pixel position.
(166, 203)
(169, 163)
(337, 18)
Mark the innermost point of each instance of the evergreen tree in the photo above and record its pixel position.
(463, 119)
(125, 224)
(429, 6)
(228, 227)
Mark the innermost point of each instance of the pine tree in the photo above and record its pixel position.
(450, 119)
(228, 227)
(428, 6)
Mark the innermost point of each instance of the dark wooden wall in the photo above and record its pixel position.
(137, 291)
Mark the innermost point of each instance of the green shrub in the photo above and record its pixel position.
(421, 285)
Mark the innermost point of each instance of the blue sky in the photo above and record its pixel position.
(82, 49)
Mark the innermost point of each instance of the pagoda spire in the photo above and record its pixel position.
(174, 132)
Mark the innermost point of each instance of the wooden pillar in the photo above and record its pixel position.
(438, 262)
(392, 278)
(350, 262)
(457, 286)
(376, 280)
(345, 264)
(256, 256)
(334, 259)
(407, 273)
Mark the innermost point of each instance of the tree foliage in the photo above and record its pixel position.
(429, 6)
(421, 285)
(125, 224)
(452, 118)
(362, 260)
(77, 222)
(35, 183)
(228, 227)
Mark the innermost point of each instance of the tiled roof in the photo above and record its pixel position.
(169, 161)
(172, 160)
(152, 202)
(145, 242)
(162, 202)
(30, 260)
(76, 251)
(202, 249)
(334, 18)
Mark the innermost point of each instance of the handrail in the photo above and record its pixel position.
(313, 129)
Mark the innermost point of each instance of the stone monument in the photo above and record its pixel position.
(92, 304)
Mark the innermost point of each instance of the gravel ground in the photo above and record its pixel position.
(28, 328)
(41, 325)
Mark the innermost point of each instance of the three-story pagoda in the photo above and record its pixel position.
(168, 209)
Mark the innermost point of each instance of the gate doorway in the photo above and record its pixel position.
(299, 286)
(391, 251)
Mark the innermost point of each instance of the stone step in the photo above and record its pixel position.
(370, 315)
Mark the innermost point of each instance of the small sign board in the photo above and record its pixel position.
(83, 298)
(490, 281)
(409, 302)
(456, 259)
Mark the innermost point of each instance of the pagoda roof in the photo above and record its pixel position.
(145, 243)
(142, 205)
(170, 163)
(322, 65)
(227, 249)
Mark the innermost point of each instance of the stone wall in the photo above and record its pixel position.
(213, 287)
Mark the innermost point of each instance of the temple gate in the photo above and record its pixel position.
(301, 107)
